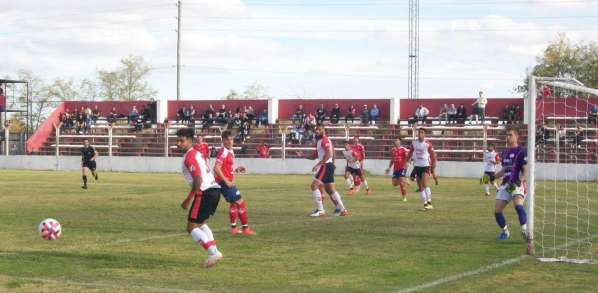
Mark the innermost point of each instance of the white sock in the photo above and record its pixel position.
(208, 231)
(339, 202)
(318, 200)
(524, 227)
(428, 193)
(365, 183)
(203, 239)
(423, 196)
(486, 188)
(349, 182)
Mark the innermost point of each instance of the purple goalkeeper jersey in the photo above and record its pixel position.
(512, 161)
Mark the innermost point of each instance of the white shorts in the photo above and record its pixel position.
(503, 194)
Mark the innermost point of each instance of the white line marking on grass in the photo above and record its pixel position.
(106, 285)
(484, 269)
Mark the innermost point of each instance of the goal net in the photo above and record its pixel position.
(563, 169)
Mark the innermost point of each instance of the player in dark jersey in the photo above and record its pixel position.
(88, 162)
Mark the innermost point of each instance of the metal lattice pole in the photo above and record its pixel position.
(413, 74)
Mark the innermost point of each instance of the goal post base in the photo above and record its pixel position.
(564, 259)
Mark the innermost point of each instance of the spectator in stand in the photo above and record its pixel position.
(1, 90)
(299, 115)
(335, 114)
(297, 134)
(192, 115)
(95, 113)
(542, 135)
(263, 119)
(350, 115)
(221, 118)
(365, 115)
(244, 130)
(146, 116)
(320, 114)
(180, 115)
(80, 126)
(516, 113)
(443, 116)
(421, 114)
(186, 116)
(250, 113)
(593, 115)
(579, 137)
(480, 107)
(133, 115)
(505, 114)
(112, 116)
(310, 125)
(208, 117)
(87, 120)
(461, 114)
(374, 114)
(452, 114)
(263, 150)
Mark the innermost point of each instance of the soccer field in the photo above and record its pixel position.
(127, 234)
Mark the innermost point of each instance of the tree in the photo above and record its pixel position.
(255, 91)
(561, 58)
(128, 81)
(232, 95)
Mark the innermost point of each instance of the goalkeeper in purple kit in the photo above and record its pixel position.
(513, 172)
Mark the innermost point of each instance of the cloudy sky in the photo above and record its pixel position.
(295, 48)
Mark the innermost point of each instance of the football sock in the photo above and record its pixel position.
(208, 231)
(428, 193)
(500, 220)
(486, 188)
(403, 190)
(349, 182)
(233, 213)
(521, 213)
(336, 198)
(423, 196)
(84, 180)
(318, 200)
(365, 183)
(203, 239)
(243, 214)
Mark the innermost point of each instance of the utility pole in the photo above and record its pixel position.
(178, 52)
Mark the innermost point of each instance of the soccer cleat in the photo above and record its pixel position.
(84, 186)
(504, 235)
(248, 231)
(344, 213)
(212, 260)
(96, 177)
(317, 213)
(487, 194)
(350, 191)
(404, 199)
(367, 191)
(524, 235)
(235, 230)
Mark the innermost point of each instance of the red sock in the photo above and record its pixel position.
(403, 191)
(243, 213)
(233, 211)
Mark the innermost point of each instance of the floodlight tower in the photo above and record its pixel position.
(413, 75)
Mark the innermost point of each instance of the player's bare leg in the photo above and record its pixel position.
(340, 209)
(316, 189)
(202, 234)
(501, 221)
(84, 177)
(95, 174)
(402, 185)
(349, 182)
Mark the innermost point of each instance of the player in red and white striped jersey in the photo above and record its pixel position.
(398, 159)
(202, 147)
(203, 197)
(360, 150)
(325, 175)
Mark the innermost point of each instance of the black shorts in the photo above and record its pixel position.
(353, 171)
(491, 175)
(419, 171)
(326, 173)
(204, 205)
(91, 165)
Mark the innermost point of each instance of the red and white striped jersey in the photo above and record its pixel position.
(322, 145)
(226, 160)
(195, 165)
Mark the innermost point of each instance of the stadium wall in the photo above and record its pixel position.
(278, 166)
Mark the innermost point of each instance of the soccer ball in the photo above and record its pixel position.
(49, 229)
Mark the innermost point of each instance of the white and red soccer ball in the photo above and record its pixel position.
(49, 229)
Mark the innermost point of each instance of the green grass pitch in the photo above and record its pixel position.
(126, 234)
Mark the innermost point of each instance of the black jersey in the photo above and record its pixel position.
(87, 153)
